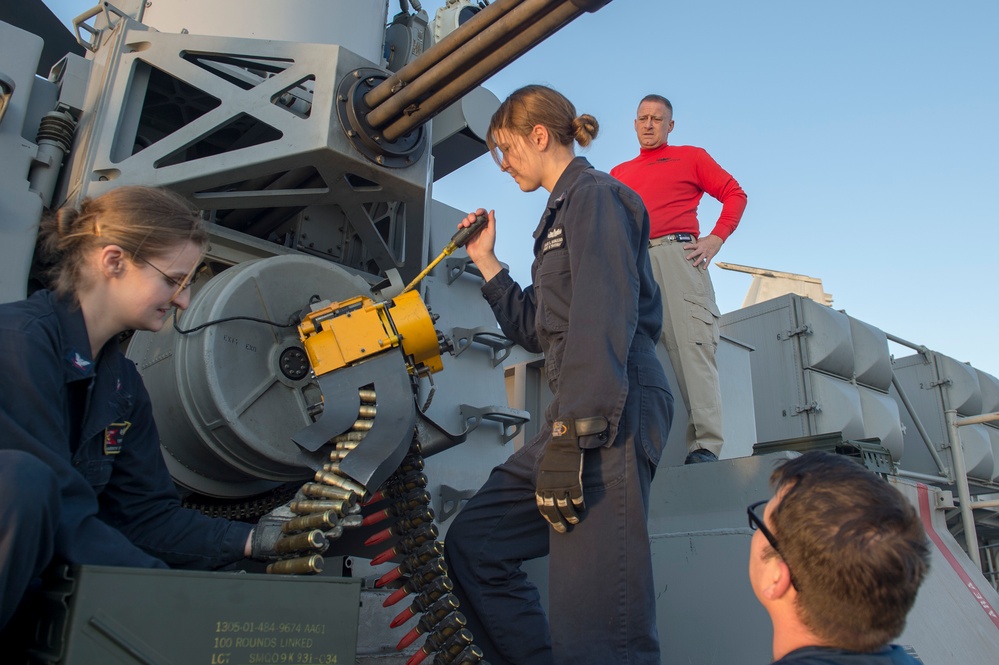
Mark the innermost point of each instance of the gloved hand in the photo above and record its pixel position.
(270, 541)
(560, 478)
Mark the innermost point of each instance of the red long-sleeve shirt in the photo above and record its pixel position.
(671, 180)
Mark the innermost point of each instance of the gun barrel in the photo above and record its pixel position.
(490, 40)
(458, 52)
(468, 31)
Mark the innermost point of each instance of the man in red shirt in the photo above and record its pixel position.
(671, 180)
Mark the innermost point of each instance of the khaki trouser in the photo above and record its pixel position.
(690, 334)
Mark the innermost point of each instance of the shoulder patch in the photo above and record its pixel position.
(114, 437)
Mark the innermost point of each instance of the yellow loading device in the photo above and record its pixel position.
(347, 332)
(350, 347)
(375, 350)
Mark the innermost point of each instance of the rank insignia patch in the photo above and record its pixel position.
(114, 437)
(78, 361)
(559, 429)
(554, 240)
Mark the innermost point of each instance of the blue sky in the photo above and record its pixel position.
(864, 134)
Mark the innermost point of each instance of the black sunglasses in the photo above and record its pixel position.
(756, 522)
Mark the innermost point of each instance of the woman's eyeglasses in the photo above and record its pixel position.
(181, 285)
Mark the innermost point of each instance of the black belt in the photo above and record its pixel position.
(672, 237)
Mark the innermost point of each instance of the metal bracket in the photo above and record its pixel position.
(450, 501)
(811, 406)
(500, 345)
(943, 499)
(434, 438)
(79, 23)
(944, 382)
(457, 266)
(473, 416)
(462, 264)
(873, 455)
(801, 330)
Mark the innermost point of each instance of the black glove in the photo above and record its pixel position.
(560, 478)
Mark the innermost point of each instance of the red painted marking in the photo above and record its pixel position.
(925, 514)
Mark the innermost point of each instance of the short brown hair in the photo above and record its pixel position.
(657, 98)
(855, 546)
(144, 221)
(539, 105)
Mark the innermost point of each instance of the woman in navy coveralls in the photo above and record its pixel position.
(82, 478)
(579, 491)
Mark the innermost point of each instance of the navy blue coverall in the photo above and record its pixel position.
(594, 309)
(891, 655)
(82, 477)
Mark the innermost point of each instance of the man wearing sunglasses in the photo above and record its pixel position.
(836, 559)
